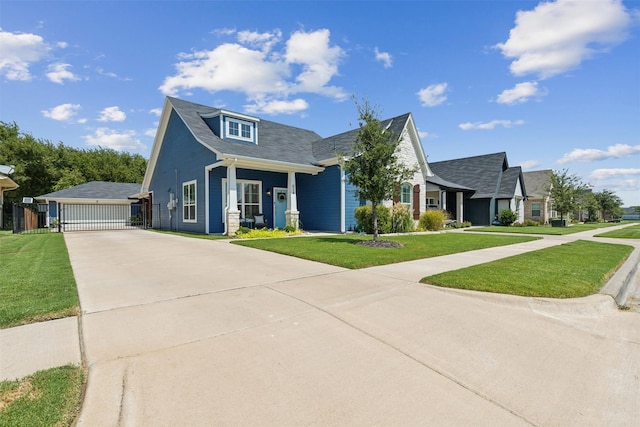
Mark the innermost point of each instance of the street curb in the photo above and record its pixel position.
(619, 286)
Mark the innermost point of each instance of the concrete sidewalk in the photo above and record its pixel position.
(198, 330)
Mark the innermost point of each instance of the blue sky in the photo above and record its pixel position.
(555, 84)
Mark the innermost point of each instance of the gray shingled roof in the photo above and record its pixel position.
(509, 181)
(96, 190)
(537, 182)
(275, 141)
(328, 148)
(435, 179)
(481, 173)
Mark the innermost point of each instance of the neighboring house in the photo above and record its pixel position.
(6, 184)
(538, 206)
(630, 213)
(213, 170)
(93, 205)
(477, 188)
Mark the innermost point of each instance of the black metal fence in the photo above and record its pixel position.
(65, 217)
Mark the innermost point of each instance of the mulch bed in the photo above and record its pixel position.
(386, 244)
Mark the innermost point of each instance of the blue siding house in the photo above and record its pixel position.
(213, 170)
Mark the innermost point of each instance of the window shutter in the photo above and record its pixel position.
(416, 201)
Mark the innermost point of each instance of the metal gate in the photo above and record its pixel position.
(65, 217)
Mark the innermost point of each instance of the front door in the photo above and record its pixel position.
(279, 207)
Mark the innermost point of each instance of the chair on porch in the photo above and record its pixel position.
(259, 221)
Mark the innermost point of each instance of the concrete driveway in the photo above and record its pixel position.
(181, 331)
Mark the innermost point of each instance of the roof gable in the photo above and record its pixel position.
(482, 173)
(538, 182)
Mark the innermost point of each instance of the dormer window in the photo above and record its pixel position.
(239, 129)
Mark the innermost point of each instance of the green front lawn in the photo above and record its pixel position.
(341, 250)
(632, 232)
(545, 229)
(36, 279)
(46, 398)
(571, 270)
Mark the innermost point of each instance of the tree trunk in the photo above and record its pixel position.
(374, 212)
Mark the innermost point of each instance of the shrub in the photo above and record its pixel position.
(432, 220)
(401, 219)
(289, 229)
(364, 219)
(531, 223)
(243, 230)
(507, 217)
(465, 224)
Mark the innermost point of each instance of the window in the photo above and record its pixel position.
(238, 129)
(233, 128)
(405, 194)
(246, 131)
(189, 201)
(249, 197)
(535, 209)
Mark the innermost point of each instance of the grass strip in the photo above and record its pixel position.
(545, 229)
(36, 279)
(632, 232)
(46, 398)
(343, 252)
(571, 270)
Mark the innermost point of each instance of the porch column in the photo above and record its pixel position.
(232, 214)
(443, 200)
(459, 202)
(291, 214)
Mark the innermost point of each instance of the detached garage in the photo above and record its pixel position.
(96, 206)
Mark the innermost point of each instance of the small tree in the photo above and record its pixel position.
(374, 167)
(565, 190)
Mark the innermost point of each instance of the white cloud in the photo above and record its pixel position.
(591, 154)
(384, 57)
(490, 125)
(156, 111)
(59, 72)
(557, 36)
(319, 62)
(601, 174)
(108, 138)
(278, 107)
(252, 66)
(151, 132)
(63, 112)
(529, 164)
(264, 41)
(423, 134)
(520, 93)
(19, 52)
(433, 95)
(112, 114)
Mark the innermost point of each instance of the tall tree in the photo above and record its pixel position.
(373, 166)
(609, 203)
(565, 190)
(42, 167)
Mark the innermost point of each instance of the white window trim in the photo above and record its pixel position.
(240, 123)
(238, 181)
(195, 201)
(410, 203)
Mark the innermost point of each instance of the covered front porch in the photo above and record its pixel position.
(447, 196)
(241, 191)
